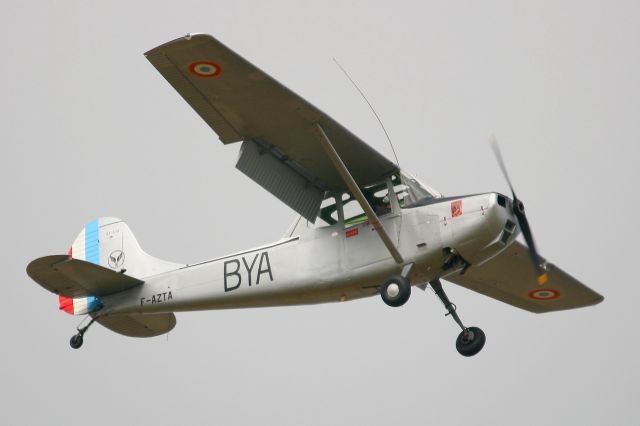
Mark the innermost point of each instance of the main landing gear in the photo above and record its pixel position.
(472, 339)
(395, 291)
(77, 340)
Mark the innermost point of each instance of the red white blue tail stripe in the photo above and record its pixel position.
(87, 244)
(86, 247)
(79, 305)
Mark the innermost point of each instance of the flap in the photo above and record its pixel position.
(273, 174)
(510, 278)
(139, 325)
(69, 277)
(241, 102)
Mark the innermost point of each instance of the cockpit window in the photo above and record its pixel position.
(328, 212)
(377, 196)
(409, 190)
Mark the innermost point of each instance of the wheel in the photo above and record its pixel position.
(395, 291)
(470, 341)
(76, 341)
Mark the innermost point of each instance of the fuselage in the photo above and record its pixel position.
(334, 263)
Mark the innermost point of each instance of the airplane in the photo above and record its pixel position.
(364, 227)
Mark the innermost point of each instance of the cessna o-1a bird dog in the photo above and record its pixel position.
(365, 226)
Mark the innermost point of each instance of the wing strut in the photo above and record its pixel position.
(355, 190)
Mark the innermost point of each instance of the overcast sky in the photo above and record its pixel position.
(89, 129)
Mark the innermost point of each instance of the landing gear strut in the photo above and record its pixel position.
(77, 340)
(472, 339)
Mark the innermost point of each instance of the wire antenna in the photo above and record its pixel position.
(371, 107)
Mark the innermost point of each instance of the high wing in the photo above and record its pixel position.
(69, 277)
(509, 278)
(242, 103)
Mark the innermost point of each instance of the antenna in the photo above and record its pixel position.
(371, 107)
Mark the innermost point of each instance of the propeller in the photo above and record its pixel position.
(523, 223)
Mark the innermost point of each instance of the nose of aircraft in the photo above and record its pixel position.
(485, 227)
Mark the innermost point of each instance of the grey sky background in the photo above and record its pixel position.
(89, 129)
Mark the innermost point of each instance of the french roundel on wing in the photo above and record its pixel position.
(544, 294)
(205, 69)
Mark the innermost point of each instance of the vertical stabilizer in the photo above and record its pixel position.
(109, 242)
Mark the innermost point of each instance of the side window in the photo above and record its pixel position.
(378, 198)
(353, 213)
(380, 201)
(409, 190)
(328, 213)
(402, 192)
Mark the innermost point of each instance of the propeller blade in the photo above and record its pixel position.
(523, 223)
(518, 210)
(496, 151)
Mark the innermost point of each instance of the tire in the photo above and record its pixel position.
(471, 347)
(76, 341)
(395, 291)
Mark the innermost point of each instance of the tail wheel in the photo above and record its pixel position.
(76, 341)
(395, 291)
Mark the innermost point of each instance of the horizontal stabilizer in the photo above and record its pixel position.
(139, 325)
(510, 278)
(69, 277)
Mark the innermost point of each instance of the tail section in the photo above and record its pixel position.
(109, 242)
(79, 305)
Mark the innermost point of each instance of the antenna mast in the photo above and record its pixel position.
(371, 107)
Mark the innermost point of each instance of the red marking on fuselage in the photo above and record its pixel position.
(351, 232)
(456, 208)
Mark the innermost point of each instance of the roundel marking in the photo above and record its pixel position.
(205, 69)
(544, 294)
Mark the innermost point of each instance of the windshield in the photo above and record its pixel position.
(409, 190)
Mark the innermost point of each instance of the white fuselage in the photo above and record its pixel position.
(332, 263)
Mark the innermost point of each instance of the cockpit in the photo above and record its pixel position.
(398, 191)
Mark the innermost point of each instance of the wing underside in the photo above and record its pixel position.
(510, 278)
(242, 103)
